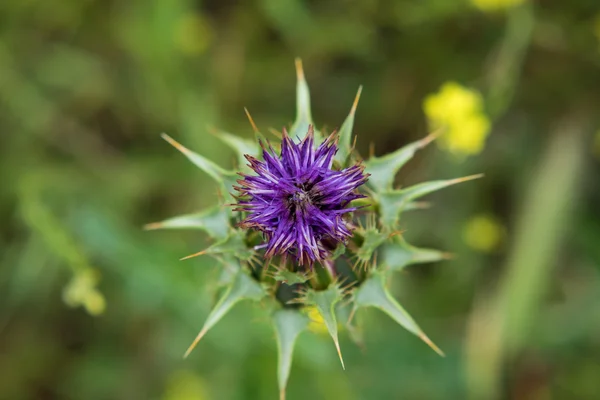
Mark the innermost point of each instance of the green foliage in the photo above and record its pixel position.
(382, 170)
(319, 288)
(372, 293)
(241, 288)
(214, 221)
(303, 111)
(325, 301)
(345, 133)
(225, 179)
(288, 325)
(87, 87)
(398, 254)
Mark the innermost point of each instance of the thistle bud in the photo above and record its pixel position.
(312, 228)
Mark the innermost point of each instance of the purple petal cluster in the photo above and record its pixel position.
(296, 200)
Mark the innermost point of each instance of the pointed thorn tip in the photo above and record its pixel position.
(428, 139)
(193, 255)
(356, 98)
(251, 120)
(152, 226)
(174, 143)
(467, 178)
(339, 351)
(299, 69)
(195, 342)
(431, 344)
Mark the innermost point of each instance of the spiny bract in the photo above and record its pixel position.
(325, 246)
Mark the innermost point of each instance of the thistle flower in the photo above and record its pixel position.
(297, 200)
(323, 262)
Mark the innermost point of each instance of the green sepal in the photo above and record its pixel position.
(288, 324)
(230, 268)
(289, 277)
(383, 169)
(397, 254)
(325, 302)
(372, 239)
(214, 221)
(303, 114)
(339, 251)
(393, 202)
(240, 146)
(233, 244)
(226, 179)
(345, 313)
(243, 287)
(373, 293)
(345, 133)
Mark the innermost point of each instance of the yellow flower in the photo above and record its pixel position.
(317, 323)
(483, 233)
(495, 5)
(193, 34)
(451, 102)
(459, 111)
(82, 291)
(468, 137)
(185, 385)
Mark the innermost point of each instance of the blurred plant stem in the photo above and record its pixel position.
(500, 325)
(43, 221)
(506, 62)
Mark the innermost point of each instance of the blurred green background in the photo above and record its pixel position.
(94, 307)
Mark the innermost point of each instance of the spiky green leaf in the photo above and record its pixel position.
(240, 146)
(345, 314)
(383, 169)
(339, 251)
(288, 324)
(289, 277)
(373, 293)
(226, 179)
(233, 244)
(303, 113)
(243, 287)
(390, 205)
(397, 254)
(372, 239)
(230, 266)
(393, 202)
(214, 221)
(345, 133)
(325, 302)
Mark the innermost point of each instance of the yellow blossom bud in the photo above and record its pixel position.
(185, 385)
(483, 233)
(459, 111)
(317, 323)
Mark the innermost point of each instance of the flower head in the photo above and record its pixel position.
(297, 200)
(459, 111)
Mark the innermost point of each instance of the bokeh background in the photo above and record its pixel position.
(94, 307)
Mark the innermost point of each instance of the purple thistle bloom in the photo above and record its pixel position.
(296, 200)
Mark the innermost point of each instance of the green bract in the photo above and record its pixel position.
(354, 277)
